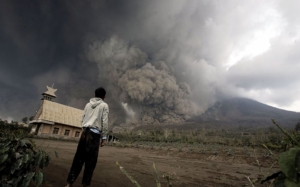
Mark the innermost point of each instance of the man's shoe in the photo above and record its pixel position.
(69, 185)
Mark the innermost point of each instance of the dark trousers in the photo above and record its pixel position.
(87, 153)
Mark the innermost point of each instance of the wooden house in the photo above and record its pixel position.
(56, 120)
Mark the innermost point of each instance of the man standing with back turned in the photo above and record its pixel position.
(95, 126)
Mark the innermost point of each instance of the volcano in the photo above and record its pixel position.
(237, 112)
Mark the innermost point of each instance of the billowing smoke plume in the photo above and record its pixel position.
(220, 49)
(149, 88)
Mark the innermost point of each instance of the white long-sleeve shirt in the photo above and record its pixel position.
(95, 116)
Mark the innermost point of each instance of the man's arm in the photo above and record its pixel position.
(83, 115)
(105, 122)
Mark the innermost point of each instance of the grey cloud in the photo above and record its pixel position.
(276, 68)
(170, 55)
(273, 74)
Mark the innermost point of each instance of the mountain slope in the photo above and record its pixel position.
(246, 112)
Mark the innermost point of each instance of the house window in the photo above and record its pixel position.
(77, 133)
(67, 132)
(55, 130)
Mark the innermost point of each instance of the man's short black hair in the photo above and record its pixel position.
(100, 92)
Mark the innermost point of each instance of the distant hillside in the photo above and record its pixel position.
(246, 112)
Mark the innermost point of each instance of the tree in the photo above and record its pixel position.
(24, 120)
(31, 118)
(297, 127)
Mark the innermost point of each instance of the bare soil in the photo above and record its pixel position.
(184, 169)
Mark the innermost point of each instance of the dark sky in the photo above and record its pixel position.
(167, 60)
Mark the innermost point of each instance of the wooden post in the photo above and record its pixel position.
(41, 129)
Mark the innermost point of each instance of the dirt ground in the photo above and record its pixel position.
(184, 169)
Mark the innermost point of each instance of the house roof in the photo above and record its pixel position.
(54, 112)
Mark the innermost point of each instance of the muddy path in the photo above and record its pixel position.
(184, 169)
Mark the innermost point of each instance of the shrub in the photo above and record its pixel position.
(289, 163)
(8, 129)
(21, 162)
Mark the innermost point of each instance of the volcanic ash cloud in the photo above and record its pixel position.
(149, 88)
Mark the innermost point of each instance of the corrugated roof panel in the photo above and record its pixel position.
(59, 113)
